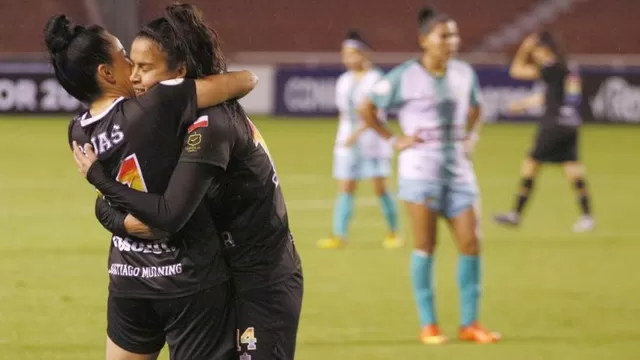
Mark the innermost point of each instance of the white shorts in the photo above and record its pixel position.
(347, 167)
(448, 200)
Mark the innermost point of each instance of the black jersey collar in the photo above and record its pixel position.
(86, 121)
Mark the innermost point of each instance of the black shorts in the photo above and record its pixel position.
(267, 320)
(556, 145)
(195, 327)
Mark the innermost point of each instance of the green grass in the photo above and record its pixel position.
(552, 293)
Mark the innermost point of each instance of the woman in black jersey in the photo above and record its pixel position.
(541, 57)
(231, 169)
(166, 291)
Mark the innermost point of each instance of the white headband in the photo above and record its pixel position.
(356, 44)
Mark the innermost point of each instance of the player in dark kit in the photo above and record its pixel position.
(176, 289)
(233, 167)
(541, 57)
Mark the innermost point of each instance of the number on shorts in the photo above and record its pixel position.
(248, 337)
(130, 174)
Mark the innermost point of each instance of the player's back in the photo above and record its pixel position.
(563, 88)
(139, 145)
(249, 207)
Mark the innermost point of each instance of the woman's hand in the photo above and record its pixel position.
(84, 157)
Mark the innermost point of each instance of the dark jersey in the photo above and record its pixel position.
(226, 162)
(138, 142)
(246, 201)
(562, 96)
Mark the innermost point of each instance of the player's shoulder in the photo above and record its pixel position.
(73, 127)
(375, 74)
(216, 118)
(344, 78)
(74, 130)
(395, 75)
(217, 110)
(402, 68)
(461, 66)
(393, 78)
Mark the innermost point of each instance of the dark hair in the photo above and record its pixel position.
(185, 39)
(76, 52)
(550, 41)
(354, 34)
(428, 17)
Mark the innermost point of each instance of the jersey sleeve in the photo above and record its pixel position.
(76, 134)
(476, 93)
(168, 212)
(172, 100)
(110, 218)
(387, 92)
(210, 139)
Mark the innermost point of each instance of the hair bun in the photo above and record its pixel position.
(183, 12)
(58, 33)
(425, 14)
(353, 34)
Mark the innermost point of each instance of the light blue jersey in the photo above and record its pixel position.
(435, 109)
(371, 155)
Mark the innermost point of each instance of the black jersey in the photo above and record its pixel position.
(138, 142)
(562, 96)
(246, 200)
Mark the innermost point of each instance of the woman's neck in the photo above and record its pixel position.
(436, 67)
(102, 103)
(360, 72)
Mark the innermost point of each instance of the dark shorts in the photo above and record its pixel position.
(267, 320)
(200, 326)
(556, 145)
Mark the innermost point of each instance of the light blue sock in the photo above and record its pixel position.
(422, 280)
(342, 215)
(389, 210)
(469, 284)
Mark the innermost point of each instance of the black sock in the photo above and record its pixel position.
(521, 201)
(523, 196)
(585, 205)
(583, 197)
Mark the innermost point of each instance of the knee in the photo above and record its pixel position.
(469, 245)
(379, 187)
(348, 187)
(530, 168)
(427, 246)
(580, 185)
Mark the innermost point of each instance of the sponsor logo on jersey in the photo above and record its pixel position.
(152, 247)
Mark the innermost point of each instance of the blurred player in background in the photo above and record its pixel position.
(541, 57)
(439, 100)
(368, 156)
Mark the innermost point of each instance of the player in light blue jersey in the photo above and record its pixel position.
(439, 112)
(368, 156)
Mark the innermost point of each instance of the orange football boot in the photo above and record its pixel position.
(431, 335)
(478, 334)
